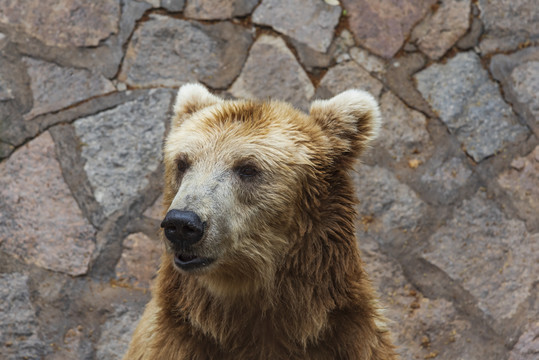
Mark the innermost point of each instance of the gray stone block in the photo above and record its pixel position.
(122, 147)
(470, 105)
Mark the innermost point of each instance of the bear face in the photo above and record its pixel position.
(244, 180)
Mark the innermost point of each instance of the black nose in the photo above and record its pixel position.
(183, 228)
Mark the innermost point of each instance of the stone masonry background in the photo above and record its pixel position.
(448, 225)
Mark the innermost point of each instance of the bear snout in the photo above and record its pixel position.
(183, 228)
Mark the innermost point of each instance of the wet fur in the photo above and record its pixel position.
(303, 294)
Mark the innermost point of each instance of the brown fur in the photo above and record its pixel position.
(289, 282)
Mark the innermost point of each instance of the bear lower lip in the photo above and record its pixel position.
(190, 262)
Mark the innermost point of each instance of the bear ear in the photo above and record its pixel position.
(190, 99)
(351, 120)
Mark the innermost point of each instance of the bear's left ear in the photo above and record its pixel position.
(351, 120)
(190, 99)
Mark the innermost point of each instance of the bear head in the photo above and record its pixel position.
(245, 180)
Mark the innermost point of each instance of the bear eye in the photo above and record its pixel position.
(182, 165)
(246, 171)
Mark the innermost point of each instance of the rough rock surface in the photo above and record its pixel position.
(404, 132)
(369, 62)
(122, 147)
(525, 79)
(382, 26)
(308, 21)
(398, 77)
(518, 74)
(471, 39)
(386, 204)
(64, 22)
(446, 178)
(55, 87)
(167, 52)
(336, 53)
(503, 30)
(346, 76)
(439, 31)
(424, 327)
(470, 105)
(221, 9)
(40, 221)
(156, 210)
(271, 63)
(19, 326)
(139, 261)
(491, 255)
(527, 346)
(117, 332)
(521, 181)
(173, 5)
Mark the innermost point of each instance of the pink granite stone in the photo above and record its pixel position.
(63, 22)
(40, 222)
(383, 26)
(139, 261)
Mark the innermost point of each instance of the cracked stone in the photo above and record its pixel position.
(519, 75)
(446, 179)
(5, 150)
(346, 76)
(171, 52)
(522, 183)
(383, 26)
(271, 63)
(398, 77)
(371, 63)
(525, 79)
(490, 255)
(508, 23)
(413, 317)
(40, 222)
(63, 23)
(117, 331)
(337, 51)
(6, 92)
(527, 346)
(387, 203)
(56, 87)
(139, 261)
(404, 131)
(14, 82)
(311, 58)
(218, 9)
(471, 39)
(308, 21)
(122, 147)
(341, 45)
(470, 105)
(105, 57)
(19, 325)
(439, 31)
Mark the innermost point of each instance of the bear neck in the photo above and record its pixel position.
(320, 276)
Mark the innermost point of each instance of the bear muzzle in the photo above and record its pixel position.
(184, 229)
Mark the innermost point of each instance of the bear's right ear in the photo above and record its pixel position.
(351, 120)
(190, 99)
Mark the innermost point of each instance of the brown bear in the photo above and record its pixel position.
(261, 259)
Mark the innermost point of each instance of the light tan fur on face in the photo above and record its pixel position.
(248, 222)
(287, 281)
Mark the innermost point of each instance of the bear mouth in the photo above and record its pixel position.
(190, 262)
